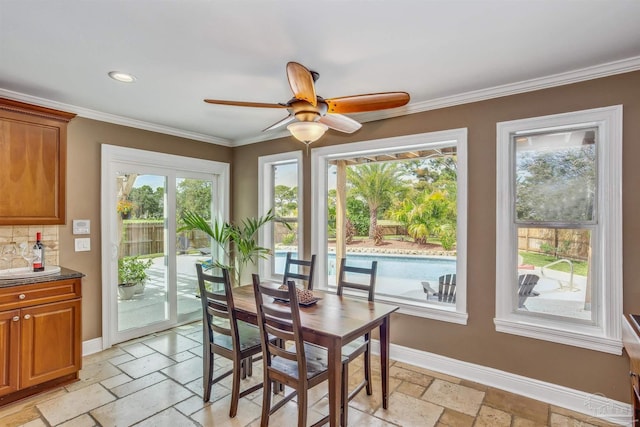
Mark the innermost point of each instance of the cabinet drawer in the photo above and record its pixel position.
(39, 293)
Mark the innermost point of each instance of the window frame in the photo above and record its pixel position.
(606, 268)
(265, 202)
(319, 161)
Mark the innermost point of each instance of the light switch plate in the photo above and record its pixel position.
(83, 245)
(81, 226)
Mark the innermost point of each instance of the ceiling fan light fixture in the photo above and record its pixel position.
(307, 132)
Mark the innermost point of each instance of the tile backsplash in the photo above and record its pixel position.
(25, 235)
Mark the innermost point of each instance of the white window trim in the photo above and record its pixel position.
(265, 202)
(605, 336)
(319, 161)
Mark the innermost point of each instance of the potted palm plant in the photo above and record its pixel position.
(132, 276)
(237, 241)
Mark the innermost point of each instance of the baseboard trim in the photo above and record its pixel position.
(91, 346)
(593, 405)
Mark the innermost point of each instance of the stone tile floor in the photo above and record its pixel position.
(157, 381)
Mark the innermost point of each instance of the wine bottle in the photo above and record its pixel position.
(38, 254)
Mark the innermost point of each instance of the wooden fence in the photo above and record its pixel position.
(146, 238)
(573, 244)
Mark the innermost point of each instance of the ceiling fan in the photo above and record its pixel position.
(312, 115)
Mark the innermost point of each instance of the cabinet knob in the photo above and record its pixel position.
(22, 296)
(27, 316)
(15, 318)
(632, 374)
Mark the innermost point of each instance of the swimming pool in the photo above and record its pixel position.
(397, 275)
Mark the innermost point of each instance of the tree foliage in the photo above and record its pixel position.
(426, 214)
(285, 201)
(193, 195)
(556, 185)
(375, 183)
(147, 202)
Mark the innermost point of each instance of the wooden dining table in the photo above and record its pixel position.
(331, 323)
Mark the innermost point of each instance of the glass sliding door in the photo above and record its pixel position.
(193, 246)
(148, 269)
(142, 271)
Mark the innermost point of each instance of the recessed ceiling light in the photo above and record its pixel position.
(122, 77)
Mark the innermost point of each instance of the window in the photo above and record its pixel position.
(559, 236)
(280, 183)
(422, 207)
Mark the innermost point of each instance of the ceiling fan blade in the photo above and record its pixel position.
(279, 123)
(340, 123)
(245, 104)
(368, 102)
(301, 82)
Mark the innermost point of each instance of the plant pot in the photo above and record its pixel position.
(139, 288)
(126, 291)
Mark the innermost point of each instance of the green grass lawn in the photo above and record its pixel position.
(540, 260)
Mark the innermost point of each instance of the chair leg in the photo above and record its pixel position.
(243, 368)
(235, 388)
(250, 366)
(344, 402)
(302, 406)
(207, 375)
(367, 365)
(266, 401)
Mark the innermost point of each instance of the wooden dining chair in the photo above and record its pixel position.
(302, 366)
(226, 336)
(299, 269)
(364, 279)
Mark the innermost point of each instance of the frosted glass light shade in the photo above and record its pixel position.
(307, 132)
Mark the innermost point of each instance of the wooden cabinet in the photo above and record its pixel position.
(40, 337)
(9, 350)
(33, 157)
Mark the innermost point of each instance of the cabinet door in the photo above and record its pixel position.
(9, 350)
(51, 342)
(33, 166)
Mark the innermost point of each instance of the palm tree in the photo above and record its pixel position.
(375, 183)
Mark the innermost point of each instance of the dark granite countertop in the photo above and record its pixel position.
(64, 273)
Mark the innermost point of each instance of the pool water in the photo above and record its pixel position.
(396, 276)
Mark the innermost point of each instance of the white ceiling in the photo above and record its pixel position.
(443, 52)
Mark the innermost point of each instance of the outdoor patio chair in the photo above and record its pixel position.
(526, 283)
(364, 279)
(226, 336)
(446, 288)
(301, 366)
(299, 269)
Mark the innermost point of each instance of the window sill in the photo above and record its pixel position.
(589, 337)
(428, 311)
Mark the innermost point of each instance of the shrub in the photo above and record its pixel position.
(288, 238)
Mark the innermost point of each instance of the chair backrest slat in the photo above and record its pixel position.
(281, 321)
(218, 305)
(304, 270)
(366, 274)
(526, 283)
(447, 288)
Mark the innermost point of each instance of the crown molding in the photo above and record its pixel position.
(560, 79)
(113, 118)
